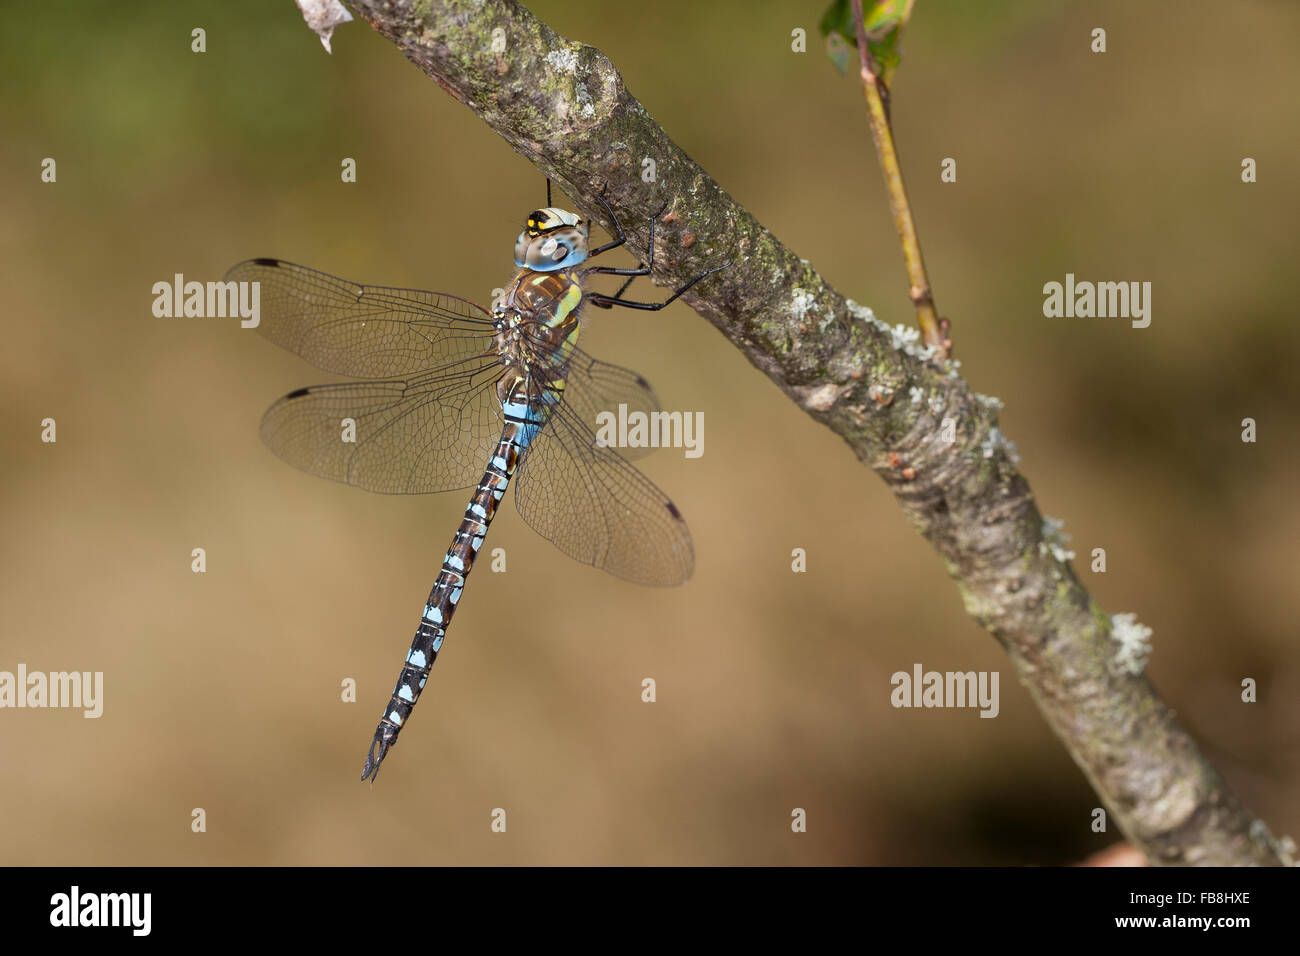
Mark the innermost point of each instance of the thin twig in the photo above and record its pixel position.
(933, 329)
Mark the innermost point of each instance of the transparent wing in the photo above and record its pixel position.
(432, 422)
(595, 390)
(431, 432)
(598, 509)
(363, 331)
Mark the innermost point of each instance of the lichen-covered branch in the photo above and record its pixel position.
(933, 441)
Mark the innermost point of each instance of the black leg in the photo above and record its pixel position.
(619, 239)
(640, 270)
(607, 246)
(617, 296)
(623, 288)
(609, 301)
(603, 301)
(643, 269)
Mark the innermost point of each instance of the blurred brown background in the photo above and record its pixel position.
(223, 688)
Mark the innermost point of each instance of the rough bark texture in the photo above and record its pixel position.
(564, 106)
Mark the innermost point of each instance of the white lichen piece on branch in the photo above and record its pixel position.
(1134, 642)
(801, 303)
(1055, 538)
(990, 446)
(903, 338)
(323, 16)
(566, 61)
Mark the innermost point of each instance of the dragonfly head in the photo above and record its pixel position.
(552, 240)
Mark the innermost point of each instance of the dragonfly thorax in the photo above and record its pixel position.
(538, 319)
(553, 239)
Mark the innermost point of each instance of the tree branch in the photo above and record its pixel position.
(562, 105)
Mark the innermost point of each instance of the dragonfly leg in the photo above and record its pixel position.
(640, 270)
(609, 301)
(623, 287)
(602, 301)
(619, 236)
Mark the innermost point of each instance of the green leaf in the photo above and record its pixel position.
(838, 18)
(883, 21)
(839, 52)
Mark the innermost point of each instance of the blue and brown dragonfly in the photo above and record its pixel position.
(459, 396)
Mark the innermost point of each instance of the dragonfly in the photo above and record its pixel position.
(459, 396)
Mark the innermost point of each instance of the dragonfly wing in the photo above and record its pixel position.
(599, 393)
(425, 434)
(598, 509)
(362, 331)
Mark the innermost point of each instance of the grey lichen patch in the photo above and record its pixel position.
(586, 109)
(1055, 540)
(575, 67)
(802, 303)
(1134, 643)
(564, 60)
(902, 338)
(861, 312)
(995, 441)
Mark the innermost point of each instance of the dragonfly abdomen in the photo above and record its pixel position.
(443, 598)
(522, 421)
